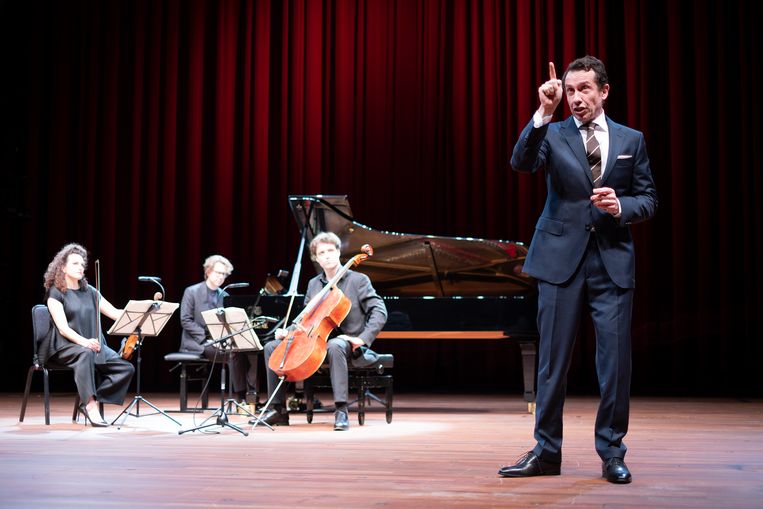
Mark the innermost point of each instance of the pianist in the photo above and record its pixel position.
(204, 296)
(366, 318)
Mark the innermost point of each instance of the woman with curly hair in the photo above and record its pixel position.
(73, 341)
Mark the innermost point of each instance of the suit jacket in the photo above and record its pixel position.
(195, 300)
(569, 218)
(367, 315)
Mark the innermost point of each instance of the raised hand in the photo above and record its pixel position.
(550, 93)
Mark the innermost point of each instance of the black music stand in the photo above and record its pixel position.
(144, 318)
(232, 332)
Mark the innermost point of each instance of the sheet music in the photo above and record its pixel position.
(159, 313)
(226, 321)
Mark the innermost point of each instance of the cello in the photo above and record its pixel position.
(303, 350)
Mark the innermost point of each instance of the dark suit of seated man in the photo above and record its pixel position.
(366, 317)
(202, 297)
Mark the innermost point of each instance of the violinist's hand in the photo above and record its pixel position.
(92, 344)
(280, 334)
(550, 93)
(605, 199)
(355, 342)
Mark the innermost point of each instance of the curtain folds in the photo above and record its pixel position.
(160, 132)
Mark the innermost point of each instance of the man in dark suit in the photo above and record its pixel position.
(364, 321)
(599, 183)
(204, 296)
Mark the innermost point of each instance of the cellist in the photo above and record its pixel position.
(366, 317)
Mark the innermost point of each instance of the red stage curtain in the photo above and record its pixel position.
(159, 132)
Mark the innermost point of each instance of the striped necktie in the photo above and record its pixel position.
(593, 152)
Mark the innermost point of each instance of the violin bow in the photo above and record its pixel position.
(98, 299)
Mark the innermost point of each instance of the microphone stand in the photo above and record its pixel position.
(220, 415)
(249, 358)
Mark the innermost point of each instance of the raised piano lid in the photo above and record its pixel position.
(411, 265)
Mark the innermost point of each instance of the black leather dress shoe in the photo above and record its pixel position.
(614, 470)
(530, 465)
(274, 417)
(341, 420)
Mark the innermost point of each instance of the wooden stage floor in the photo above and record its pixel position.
(439, 451)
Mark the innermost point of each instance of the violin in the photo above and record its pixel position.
(303, 350)
(128, 347)
(131, 342)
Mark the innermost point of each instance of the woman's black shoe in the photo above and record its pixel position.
(96, 424)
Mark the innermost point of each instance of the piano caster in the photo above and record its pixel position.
(531, 407)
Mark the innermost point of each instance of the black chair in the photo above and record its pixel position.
(41, 323)
(361, 380)
(200, 365)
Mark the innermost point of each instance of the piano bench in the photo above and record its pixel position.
(361, 380)
(184, 360)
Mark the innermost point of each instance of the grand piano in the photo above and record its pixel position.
(434, 287)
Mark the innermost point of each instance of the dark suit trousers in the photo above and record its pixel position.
(559, 311)
(236, 362)
(338, 353)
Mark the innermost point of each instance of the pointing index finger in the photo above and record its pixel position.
(551, 71)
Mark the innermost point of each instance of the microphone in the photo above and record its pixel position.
(269, 319)
(158, 281)
(236, 285)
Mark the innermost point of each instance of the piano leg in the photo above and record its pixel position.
(529, 351)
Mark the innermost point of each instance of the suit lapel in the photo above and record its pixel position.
(615, 142)
(571, 134)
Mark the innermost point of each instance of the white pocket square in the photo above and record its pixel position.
(624, 156)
